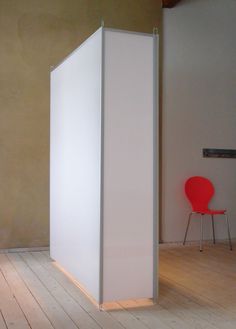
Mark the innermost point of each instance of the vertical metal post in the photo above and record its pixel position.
(213, 229)
(201, 236)
(155, 164)
(227, 222)
(100, 301)
(186, 232)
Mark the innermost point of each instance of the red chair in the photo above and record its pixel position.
(199, 191)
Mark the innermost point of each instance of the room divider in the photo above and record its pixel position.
(103, 165)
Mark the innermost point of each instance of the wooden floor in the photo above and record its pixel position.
(197, 291)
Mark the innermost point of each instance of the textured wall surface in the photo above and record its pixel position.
(36, 34)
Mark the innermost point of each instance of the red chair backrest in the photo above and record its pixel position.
(199, 190)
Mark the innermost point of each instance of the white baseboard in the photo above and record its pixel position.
(192, 243)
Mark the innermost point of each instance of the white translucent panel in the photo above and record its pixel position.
(75, 163)
(128, 166)
(105, 88)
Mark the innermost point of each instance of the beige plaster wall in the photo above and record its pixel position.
(35, 34)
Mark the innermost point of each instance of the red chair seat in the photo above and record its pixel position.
(213, 212)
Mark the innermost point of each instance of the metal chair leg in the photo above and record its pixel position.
(201, 236)
(186, 232)
(213, 229)
(230, 243)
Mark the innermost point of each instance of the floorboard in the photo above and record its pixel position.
(200, 286)
(79, 316)
(55, 313)
(197, 291)
(104, 319)
(2, 322)
(10, 309)
(29, 305)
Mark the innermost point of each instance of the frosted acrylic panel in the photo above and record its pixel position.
(75, 163)
(128, 163)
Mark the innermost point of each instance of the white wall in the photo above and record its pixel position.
(199, 109)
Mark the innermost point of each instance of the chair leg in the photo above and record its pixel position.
(201, 233)
(213, 229)
(186, 232)
(230, 243)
